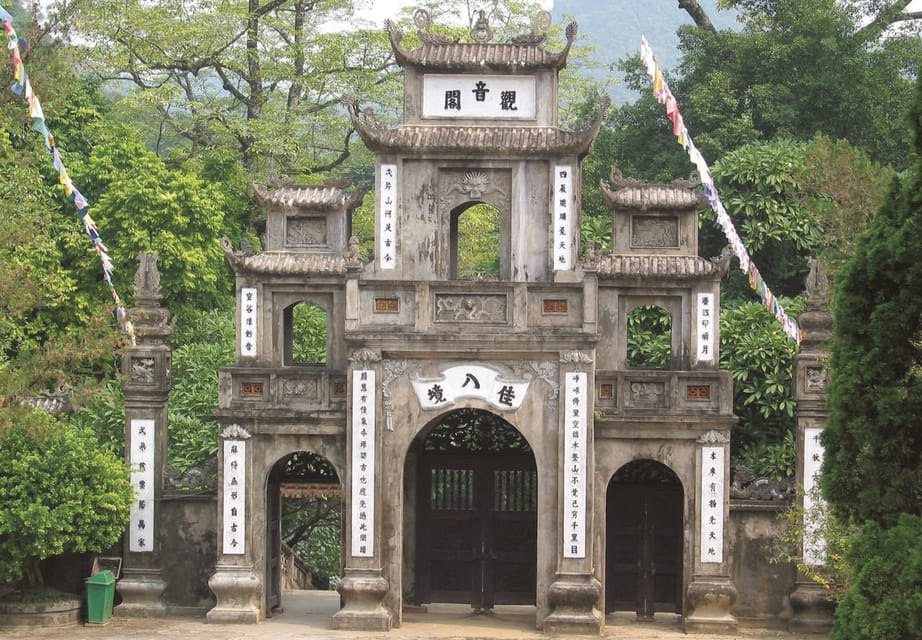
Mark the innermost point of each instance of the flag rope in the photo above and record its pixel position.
(664, 96)
(23, 87)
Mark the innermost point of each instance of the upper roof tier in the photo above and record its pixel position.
(443, 53)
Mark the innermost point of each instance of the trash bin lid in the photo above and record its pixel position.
(103, 577)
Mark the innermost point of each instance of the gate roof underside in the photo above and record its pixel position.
(505, 140)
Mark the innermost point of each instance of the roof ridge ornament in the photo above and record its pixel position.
(539, 28)
(423, 22)
(481, 31)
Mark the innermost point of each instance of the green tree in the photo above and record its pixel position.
(873, 466)
(262, 76)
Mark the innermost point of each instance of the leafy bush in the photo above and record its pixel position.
(59, 491)
(884, 599)
(203, 344)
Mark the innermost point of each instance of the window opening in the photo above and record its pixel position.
(475, 243)
(649, 338)
(306, 339)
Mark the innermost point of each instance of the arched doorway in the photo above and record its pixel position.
(303, 525)
(476, 513)
(644, 540)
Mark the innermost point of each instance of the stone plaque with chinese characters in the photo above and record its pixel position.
(563, 217)
(249, 318)
(234, 534)
(363, 463)
(470, 381)
(387, 216)
(479, 96)
(705, 316)
(574, 465)
(142, 527)
(712, 504)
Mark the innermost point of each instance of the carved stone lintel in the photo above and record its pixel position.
(572, 600)
(363, 592)
(714, 437)
(235, 432)
(575, 357)
(365, 356)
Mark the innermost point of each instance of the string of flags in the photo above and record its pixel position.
(665, 97)
(23, 87)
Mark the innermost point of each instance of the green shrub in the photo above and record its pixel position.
(59, 491)
(884, 598)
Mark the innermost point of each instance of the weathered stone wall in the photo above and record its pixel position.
(762, 587)
(188, 539)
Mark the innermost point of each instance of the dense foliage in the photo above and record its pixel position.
(884, 598)
(873, 469)
(58, 492)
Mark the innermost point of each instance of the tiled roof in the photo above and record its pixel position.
(652, 196)
(287, 263)
(447, 55)
(653, 266)
(303, 197)
(503, 140)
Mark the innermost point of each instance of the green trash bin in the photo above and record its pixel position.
(100, 594)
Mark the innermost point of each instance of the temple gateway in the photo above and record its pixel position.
(494, 439)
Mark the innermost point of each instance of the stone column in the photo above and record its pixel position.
(711, 593)
(574, 595)
(363, 587)
(146, 385)
(237, 586)
(811, 603)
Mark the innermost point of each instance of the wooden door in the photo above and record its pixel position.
(644, 548)
(476, 530)
(273, 548)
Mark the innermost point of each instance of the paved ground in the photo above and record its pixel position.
(307, 617)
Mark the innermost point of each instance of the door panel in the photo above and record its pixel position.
(477, 530)
(644, 548)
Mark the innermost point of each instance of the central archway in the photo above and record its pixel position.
(476, 512)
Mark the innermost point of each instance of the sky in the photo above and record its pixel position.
(377, 11)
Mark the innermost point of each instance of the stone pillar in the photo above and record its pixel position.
(237, 586)
(146, 385)
(574, 595)
(711, 593)
(364, 586)
(810, 601)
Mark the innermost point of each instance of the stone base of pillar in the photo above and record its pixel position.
(362, 592)
(709, 599)
(812, 608)
(573, 600)
(141, 591)
(238, 591)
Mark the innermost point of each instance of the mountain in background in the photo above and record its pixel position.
(614, 27)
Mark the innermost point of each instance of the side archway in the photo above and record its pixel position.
(304, 525)
(644, 540)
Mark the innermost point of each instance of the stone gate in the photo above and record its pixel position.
(486, 405)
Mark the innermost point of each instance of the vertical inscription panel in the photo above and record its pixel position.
(574, 465)
(363, 463)
(234, 534)
(563, 221)
(712, 504)
(249, 317)
(814, 545)
(387, 216)
(705, 321)
(142, 526)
